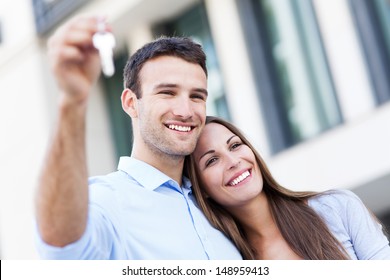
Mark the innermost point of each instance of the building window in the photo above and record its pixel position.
(194, 23)
(372, 19)
(293, 78)
(48, 13)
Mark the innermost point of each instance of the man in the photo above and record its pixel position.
(146, 209)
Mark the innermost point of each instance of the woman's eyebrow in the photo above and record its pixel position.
(208, 152)
(213, 151)
(227, 142)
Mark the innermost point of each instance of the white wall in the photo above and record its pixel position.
(346, 156)
(23, 129)
(28, 99)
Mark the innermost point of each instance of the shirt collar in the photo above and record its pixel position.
(146, 175)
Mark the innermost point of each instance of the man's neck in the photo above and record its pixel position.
(172, 166)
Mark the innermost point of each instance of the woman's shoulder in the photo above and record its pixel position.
(335, 196)
(338, 200)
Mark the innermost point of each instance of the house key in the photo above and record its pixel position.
(104, 41)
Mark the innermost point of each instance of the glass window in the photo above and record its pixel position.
(300, 89)
(372, 19)
(382, 12)
(382, 8)
(194, 23)
(48, 13)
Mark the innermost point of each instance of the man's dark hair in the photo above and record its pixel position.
(181, 47)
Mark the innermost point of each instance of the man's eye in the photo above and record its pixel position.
(198, 96)
(166, 92)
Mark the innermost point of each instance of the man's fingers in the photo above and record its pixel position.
(80, 38)
(70, 54)
(89, 24)
(73, 42)
(73, 34)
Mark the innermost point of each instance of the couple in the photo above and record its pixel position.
(227, 206)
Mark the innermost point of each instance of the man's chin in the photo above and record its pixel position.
(182, 152)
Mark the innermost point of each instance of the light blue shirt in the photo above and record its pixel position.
(138, 212)
(352, 224)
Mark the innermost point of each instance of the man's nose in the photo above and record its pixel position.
(183, 107)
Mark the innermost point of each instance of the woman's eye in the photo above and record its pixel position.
(210, 161)
(235, 145)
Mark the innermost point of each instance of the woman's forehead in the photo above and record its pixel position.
(213, 134)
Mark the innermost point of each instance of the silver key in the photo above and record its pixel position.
(105, 42)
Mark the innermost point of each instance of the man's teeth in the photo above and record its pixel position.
(240, 178)
(179, 127)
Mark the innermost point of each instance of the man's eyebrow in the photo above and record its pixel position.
(201, 90)
(165, 85)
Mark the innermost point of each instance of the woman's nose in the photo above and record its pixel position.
(232, 161)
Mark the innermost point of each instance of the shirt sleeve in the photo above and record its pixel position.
(367, 237)
(88, 247)
(96, 243)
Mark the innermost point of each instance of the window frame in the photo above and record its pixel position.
(279, 129)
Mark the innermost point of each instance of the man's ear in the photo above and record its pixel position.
(130, 103)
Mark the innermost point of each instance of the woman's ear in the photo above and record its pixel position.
(130, 103)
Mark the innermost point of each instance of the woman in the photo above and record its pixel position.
(238, 194)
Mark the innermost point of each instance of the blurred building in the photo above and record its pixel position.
(306, 80)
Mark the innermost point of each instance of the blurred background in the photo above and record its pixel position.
(308, 81)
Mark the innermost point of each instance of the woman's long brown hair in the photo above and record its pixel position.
(302, 228)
